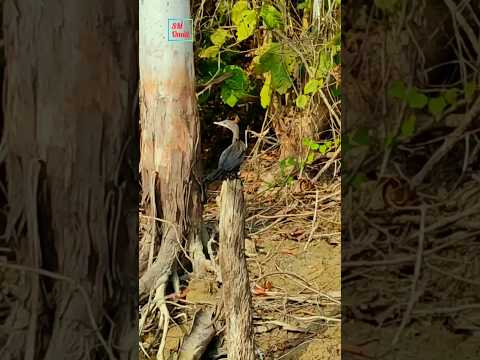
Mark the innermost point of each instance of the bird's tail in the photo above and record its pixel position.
(214, 175)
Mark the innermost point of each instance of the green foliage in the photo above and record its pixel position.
(210, 52)
(271, 17)
(266, 92)
(279, 62)
(302, 101)
(312, 86)
(436, 105)
(244, 19)
(219, 37)
(235, 87)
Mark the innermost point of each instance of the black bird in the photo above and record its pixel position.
(232, 157)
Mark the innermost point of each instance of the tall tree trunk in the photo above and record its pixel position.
(70, 95)
(170, 138)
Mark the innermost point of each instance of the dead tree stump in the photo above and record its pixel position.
(233, 266)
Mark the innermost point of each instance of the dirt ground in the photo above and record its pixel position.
(293, 258)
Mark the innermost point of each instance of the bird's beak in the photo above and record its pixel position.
(217, 123)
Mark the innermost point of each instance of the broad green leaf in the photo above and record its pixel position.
(266, 92)
(209, 52)
(451, 96)
(397, 89)
(437, 105)
(219, 36)
(235, 87)
(237, 10)
(470, 90)
(274, 60)
(302, 101)
(325, 65)
(311, 86)
(231, 100)
(386, 4)
(271, 16)
(246, 25)
(415, 99)
(408, 126)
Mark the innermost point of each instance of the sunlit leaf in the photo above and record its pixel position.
(266, 92)
(219, 37)
(311, 86)
(302, 101)
(237, 10)
(209, 52)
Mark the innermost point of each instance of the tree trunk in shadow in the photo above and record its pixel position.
(70, 134)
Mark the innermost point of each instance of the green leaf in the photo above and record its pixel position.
(470, 90)
(323, 149)
(237, 10)
(235, 87)
(408, 126)
(415, 99)
(276, 60)
(386, 4)
(219, 37)
(325, 65)
(437, 105)
(246, 25)
(397, 89)
(311, 86)
(302, 101)
(209, 52)
(266, 92)
(451, 96)
(336, 91)
(271, 17)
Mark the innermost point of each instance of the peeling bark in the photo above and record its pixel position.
(236, 284)
(170, 137)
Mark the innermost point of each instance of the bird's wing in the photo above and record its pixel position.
(233, 156)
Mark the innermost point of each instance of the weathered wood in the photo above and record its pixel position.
(233, 266)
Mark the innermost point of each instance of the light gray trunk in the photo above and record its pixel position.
(170, 137)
